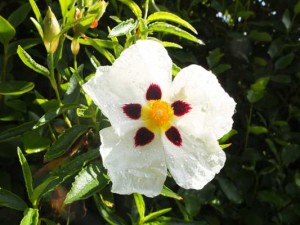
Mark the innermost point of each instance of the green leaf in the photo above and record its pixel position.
(41, 190)
(140, 205)
(260, 36)
(31, 63)
(64, 5)
(89, 180)
(258, 130)
(26, 173)
(214, 57)
(38, 26)
(166, 16)
(284, 61)
(7, 31)
(245, 14)
(102, 50)
(286, 19)
(36, 11)
(230, 190)
(170, 29)
(26, 43)
(225, 138)
(33, 142)
(15, 87)
(169, 193)
(133, 6)
(65, 141)
(19, 15)
(221, 68)
(31, 217)
(297, 8)
(10, 200)
(123, 28)
(290, 154)
(156, 214)
(260, 84)
(53, 113)
(16, 132)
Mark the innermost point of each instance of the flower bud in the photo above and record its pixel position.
(51, 29)
(75, 46)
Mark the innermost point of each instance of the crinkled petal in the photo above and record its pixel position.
(211, 107)
(127, 81)
(133, 169)
(195, 162)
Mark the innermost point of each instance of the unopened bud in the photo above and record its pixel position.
(51, 29)
(75, 46)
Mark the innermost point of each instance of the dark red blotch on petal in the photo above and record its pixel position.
(143, 136)
(153, 92)
(180, 107)
(174, 136)
(132, 110)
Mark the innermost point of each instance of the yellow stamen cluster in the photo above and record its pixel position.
(157, 115)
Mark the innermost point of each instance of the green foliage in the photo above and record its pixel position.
(58, 178)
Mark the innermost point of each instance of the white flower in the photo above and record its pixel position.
(158, 124)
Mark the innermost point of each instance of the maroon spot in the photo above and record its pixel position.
(174, 136)
(143, 136)
(153, 92)
(132, 110)
(180, 107)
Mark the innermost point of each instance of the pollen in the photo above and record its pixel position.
(157, 115)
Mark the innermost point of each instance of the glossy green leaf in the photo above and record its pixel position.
(38, 26)
(19, 15)
(65, 141)
(11, 200)
(31, 63)
(156, 214)
(64, 5)
(257, 130)
(82, 23)
(166, 16)
(89, 180)
(102, 50)
(133, 6)
(53, 113)
(260, 36)
(16, 131)
(26, 173)
(33, 142)
(123, 28)
(140, 205)
(226, 137)
(15, 87)
(284, 61)
(230, 190)
(41, 190)
(36, 11)
(167, 192)
(7, 31)
(168, 44)
(163, 27)
(260, 84)
(31, 217)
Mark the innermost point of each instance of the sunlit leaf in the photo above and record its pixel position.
(156, 214)
(11, 200)
(89, 180)
(166, 16)
(123, 28)
(15, 87)
(31, 217)
(36, 11)
(167, 192)
(31, 63)
(163, 27)
(26, 173)
(140, 205)
(133, 6)
(7, 31)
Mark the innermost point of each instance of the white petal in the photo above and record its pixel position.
(195, 162)
(128, 79)
(133, 169)
(212, 108)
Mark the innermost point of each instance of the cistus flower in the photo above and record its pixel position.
(158, 124)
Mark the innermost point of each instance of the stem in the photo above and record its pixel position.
(75, 62)
(55, 87)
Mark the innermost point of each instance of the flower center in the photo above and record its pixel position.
(157, 115)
